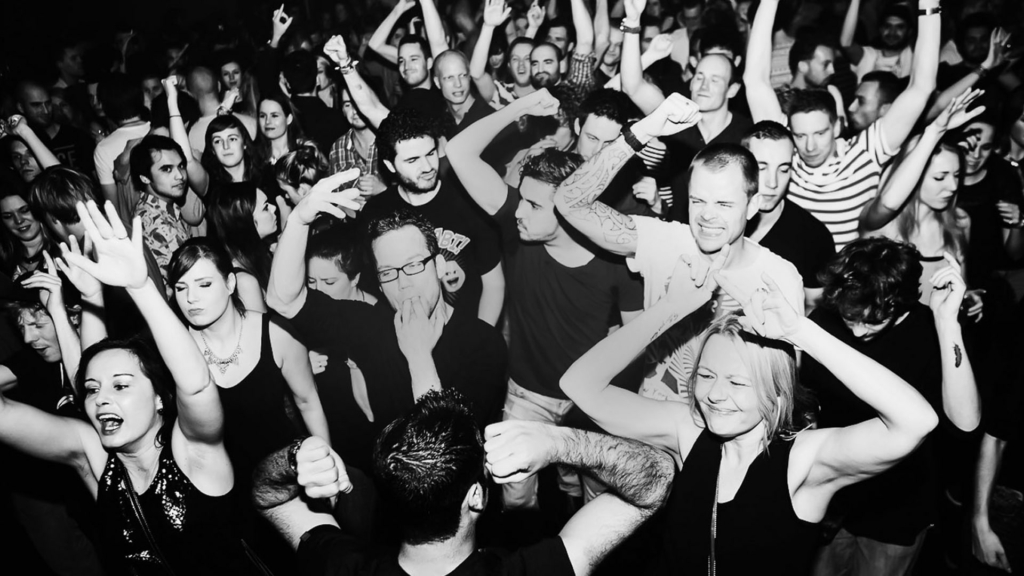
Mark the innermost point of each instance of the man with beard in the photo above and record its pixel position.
(723, 198)
(873, 99)
(893, 53)
(422, 182)
(546, 58)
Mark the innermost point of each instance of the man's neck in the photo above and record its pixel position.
(459, 110)
(799, 82)
(567, 251)
(50, 131)
(418, 198)
(714, 122)
(208, 105)
(425, 85)
(765, 221)
(439, 558)
(364, 136)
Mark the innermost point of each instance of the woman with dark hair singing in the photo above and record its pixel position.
(152, 450)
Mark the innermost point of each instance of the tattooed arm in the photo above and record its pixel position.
(960, 399)
(639, 478)
(576, 200)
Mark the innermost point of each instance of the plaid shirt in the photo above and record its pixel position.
(580, 79)
(344, 156)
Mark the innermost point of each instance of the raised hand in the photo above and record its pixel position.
(661, 46)
(956, 114)
(89, 287)
(675, 114)
(517, 449)
(417, 332)
(318, 362)
(535, 16)
(997, 49)
(281, 22)
(634, 9)
(49, 286)
(321, 473)
(119, 259)
(336, 50)
(170, 85)
(231, 97)
(324, 197)
(17, 125)
(404, 6)
(496, 12)
(766, 311)
(539, 103)
(694, 279)
(948, 290)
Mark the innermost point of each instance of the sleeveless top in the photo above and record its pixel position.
(255, 420)
(194, 533)
(758, 532)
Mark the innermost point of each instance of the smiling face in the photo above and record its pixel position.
(535, 214)
(264, 216)
(38, 333)
(274, 121)
(120, 401)
(401, 247)
(815, 137)
(24, 161)
(544, 71)
(231, 75)
(167, 177)
(18, 219)
(712, 85)
(203, 295)
(324, 276)
(725, 390)
(894, 32)
(413, 64)
(774, 162)
(519, 63)
(415, 164)
(940, 181)
(719, 207)
(228, 146)
(453, 79)
(980, 152)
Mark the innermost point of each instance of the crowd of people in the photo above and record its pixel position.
(577, 287)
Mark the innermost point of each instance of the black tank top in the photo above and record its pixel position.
(194, 533)
(758, 532)
(255, 420)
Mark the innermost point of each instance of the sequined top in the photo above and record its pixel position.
(195, 533)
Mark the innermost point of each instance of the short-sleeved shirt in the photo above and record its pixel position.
(468, 240)
(326, 551)
(344, 156)
(163, 228)
(557, 313)
(837, 191)
(986, 252)
(111, 147)
(802, 240)
(470, 355)
(670, 358)
(73, 147)
(874, 61)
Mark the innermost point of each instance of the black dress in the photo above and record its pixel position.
(255, 420)
(758, 532)
(194, 533)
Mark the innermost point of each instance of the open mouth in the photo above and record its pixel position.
(109, 424)
(710, 231)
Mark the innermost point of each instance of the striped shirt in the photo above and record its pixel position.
(837, 191)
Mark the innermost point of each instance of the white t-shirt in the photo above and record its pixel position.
(670, 358)
(111, 147)
(873, 60)
(197, 134)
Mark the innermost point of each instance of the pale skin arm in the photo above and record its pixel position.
(493, 11)
(294, 362)
(764, 104)
(379, 40)
(584, 26)
(433, 27)
(7, 379)
(198, 180)
(417, 335)
(853, 50)
(602, 28)
(639, 478)
(645, 95)
(493, 297)
(995, 59)
(44, 157)
(47, 437)
(985, 544)
(960, 399)
(907, 108)
(249, 290)
(363, 97)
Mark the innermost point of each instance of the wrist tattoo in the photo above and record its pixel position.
(668, 323)
(959, 356)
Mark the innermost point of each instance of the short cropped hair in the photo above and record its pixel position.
(812, 100)
(56, 191)
(872, 280)
(607, 103)
(718, 157)
(889, 85)
(551, 166)
(419, 41)
(397, 220)
(767, 130)
(425, 462)
(803, 49)
(558, 51)
(402, 125)
(142, 156)
(121, 97)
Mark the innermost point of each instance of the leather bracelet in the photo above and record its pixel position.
(293, 451)
(631, 139)
(929, 11)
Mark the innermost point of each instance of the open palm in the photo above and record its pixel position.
(766, 311)
(119, 259)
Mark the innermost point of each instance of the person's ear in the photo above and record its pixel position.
(21, 109)
(232, 282)
(837, 127)
(430, 63)
(476, 498)
(390, 166)
(884, 109)
(288, 120)
(442, 266)
(436, 83)
(693, 62)
(355, 279)
(145, 180)
(737, 61)
(803, 67)
(753, 205)
(576, 126)
(734, 89)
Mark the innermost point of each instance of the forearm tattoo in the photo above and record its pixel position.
(273, 481)
(616, 227)
(592, 178)
(668, 323)
(958, 355)
(638, 473)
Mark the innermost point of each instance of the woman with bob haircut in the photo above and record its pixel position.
(152, 448)
(749, 489)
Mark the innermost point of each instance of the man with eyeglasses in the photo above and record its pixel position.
(409, 343)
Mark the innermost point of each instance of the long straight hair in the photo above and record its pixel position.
(230, 215)
(954, 237)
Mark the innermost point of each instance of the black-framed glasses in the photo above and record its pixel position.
(411, 269)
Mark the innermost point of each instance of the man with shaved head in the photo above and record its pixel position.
(70, 145)
(204, 86)
(451, 76)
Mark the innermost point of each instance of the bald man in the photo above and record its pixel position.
(205, 87)
(451, 76)
(70, 145)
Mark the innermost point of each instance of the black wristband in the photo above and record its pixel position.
(631, 139)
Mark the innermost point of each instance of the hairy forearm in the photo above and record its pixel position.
(639, 474)
(433, 27)
(273, 481)
(960, 399)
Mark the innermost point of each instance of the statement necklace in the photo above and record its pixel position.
(223, 363)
